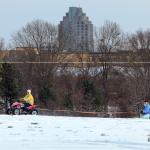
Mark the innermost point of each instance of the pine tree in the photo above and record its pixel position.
(10, 83)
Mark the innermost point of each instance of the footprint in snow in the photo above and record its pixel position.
(85, 127)
(41, 131)
(38, 127)
(68, 130)
(56, 135)
(34, 123)
(10, 127)
(76, 131)
(103, 134)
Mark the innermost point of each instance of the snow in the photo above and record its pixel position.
(70, 133)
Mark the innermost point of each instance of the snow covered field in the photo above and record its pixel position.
(68, 133)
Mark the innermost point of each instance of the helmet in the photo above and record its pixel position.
(29, 91)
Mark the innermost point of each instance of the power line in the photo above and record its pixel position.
(57, 62)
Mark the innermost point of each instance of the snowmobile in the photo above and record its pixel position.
(17, 108)
(145, 116)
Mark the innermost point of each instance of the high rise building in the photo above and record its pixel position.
(76, 31)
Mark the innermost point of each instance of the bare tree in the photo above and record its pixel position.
(2, 44)
(43, 36)
(140, 40)
(108, 40)
(140, 75)
(37, 34)
(67, 38)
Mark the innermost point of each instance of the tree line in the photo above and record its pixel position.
(86, 88)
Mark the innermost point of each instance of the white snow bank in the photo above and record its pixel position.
(68, 133)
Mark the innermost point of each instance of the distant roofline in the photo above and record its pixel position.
(75, 7)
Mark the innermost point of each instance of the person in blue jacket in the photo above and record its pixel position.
(146, 107)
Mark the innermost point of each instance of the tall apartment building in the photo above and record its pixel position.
(76, 31)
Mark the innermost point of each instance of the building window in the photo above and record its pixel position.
(86, 27)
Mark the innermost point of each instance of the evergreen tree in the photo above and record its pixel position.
(92, 94)
(46, 94)
(67, 101)
(10, 83)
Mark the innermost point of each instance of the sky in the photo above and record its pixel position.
(131, 15)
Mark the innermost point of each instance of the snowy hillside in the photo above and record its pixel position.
(67, 133)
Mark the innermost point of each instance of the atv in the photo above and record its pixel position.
(17, 108)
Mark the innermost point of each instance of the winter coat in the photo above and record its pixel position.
(146, 109)
(29, 99)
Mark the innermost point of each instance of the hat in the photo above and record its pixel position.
(145, 100)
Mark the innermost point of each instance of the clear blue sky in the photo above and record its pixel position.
(130, 14)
